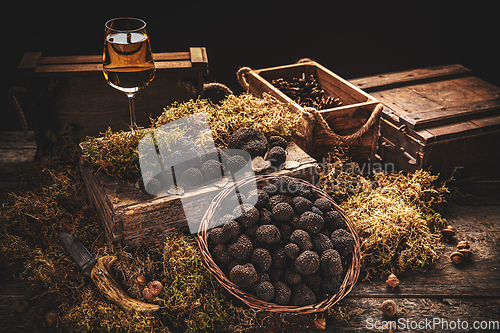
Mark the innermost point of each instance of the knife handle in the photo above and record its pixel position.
(104, 281)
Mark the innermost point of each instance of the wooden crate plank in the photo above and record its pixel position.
(411, 77)
(480, 226)
(457, 312)
(451, 114)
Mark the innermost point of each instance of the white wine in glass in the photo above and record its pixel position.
(127, 58)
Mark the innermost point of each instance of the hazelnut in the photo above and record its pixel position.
(467, 253)
(155, 288)
(146, 294)
(392, 281)
(389, 308)
(448, 232)
(457, 257)
(320, 323)
(51, 318)
(40, 312)
(463, 245)
(22, 306)
(141, 280)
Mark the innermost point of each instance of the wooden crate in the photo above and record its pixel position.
(438, 118)
(136, 219)
(70, 94)
(344, 120)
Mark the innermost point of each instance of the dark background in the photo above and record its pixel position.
(351, 38)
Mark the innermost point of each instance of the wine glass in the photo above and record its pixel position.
(127, 58)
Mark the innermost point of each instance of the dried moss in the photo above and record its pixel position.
(116, 152)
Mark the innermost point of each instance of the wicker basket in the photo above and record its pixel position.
(251, 300)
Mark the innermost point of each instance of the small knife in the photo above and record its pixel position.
(100, 272)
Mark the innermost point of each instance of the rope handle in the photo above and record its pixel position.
(374, 117)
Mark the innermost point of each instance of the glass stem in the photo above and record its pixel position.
(131, 98)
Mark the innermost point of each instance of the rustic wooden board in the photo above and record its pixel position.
(70, 93)
(130, 216)
(480, 226)
(440, 119)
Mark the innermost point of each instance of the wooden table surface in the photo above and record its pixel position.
(456, 296)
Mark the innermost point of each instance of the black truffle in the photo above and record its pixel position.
(343, 242)
(220, 255)
(291, 277)
(286, 185)
(265, 216)
(153, 186)
(212, 169)
(286, 232)
(280, 260)
(302, 239)
(277, 141)
(292, 250)
(277, 156)
(242, 248)
(276, 199)
(251, 140)
(302, 295)
(258, 198)
(243, 275)
(231, 230)
(313, 281)
(330, 285)
(192, 177)
(323, 204)
(247, 215)
(235, 163)
(311, 222)
(301, 204)
(216, 154)
(307, 262)
(265, 291)
(322, 243)
(331, 263)
(268, 233)
(283, 212)
(183, 144)
(215, 236)
(261, 259)
(334, 220)
(282, 293)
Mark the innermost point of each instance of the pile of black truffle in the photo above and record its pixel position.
(190, 165)
(289, 248)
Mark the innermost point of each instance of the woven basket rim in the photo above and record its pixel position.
(253, 301)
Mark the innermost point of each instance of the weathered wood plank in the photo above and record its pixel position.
(479, 278)
(411, 77)
(442, 313)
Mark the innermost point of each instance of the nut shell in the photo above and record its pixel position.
(456, 257)
(155, 288)
(392, 281)
(22, 306)
(320, 324)
(141, 280)
(448, 232)
(467, 253)
(51, 318)
(389, 308)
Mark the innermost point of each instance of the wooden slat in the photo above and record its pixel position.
(451, 114)
(476, 279)
(198, 55)
(416, 76)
